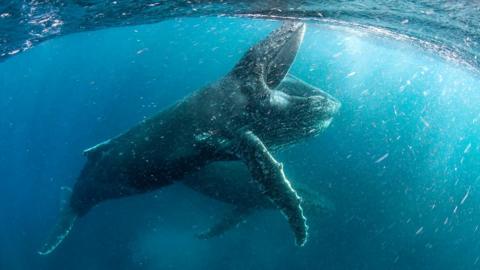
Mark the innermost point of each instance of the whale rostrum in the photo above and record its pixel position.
(254, 110)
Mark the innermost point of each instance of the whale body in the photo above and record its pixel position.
(243, 116)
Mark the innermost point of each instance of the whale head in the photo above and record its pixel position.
(296, 110)
(281, 108)
(293, 111)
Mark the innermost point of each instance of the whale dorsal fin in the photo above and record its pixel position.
(94, 150)
(271, 58)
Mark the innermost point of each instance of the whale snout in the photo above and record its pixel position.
(324, 105)
(313, 108)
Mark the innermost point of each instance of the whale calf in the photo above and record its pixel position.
(242, 116)
(230, 182)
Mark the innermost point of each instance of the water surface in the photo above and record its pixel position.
(400, 161)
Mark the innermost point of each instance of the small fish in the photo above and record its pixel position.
(351, 74)
(382, 158)
(465, 196)
(425, 122)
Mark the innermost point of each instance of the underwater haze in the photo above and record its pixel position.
(400, 162)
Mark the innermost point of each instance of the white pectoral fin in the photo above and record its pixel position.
(60, 231)
(269, 174)
(275, 54)
(62, 228)
(230, 220)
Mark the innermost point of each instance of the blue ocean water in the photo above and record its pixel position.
(400, 161)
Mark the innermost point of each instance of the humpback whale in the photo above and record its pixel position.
(242, 116)
(230, 182)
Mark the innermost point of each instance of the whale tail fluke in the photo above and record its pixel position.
(62, 228)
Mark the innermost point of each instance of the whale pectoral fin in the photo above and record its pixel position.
(271, 58)
(230, 220)
(62, 228)
(313, 202)
(60, 231)
(269, 174)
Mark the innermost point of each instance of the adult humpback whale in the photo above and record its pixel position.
(239, 117)
(230, 182)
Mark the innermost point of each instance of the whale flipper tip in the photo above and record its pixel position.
(60, 231)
